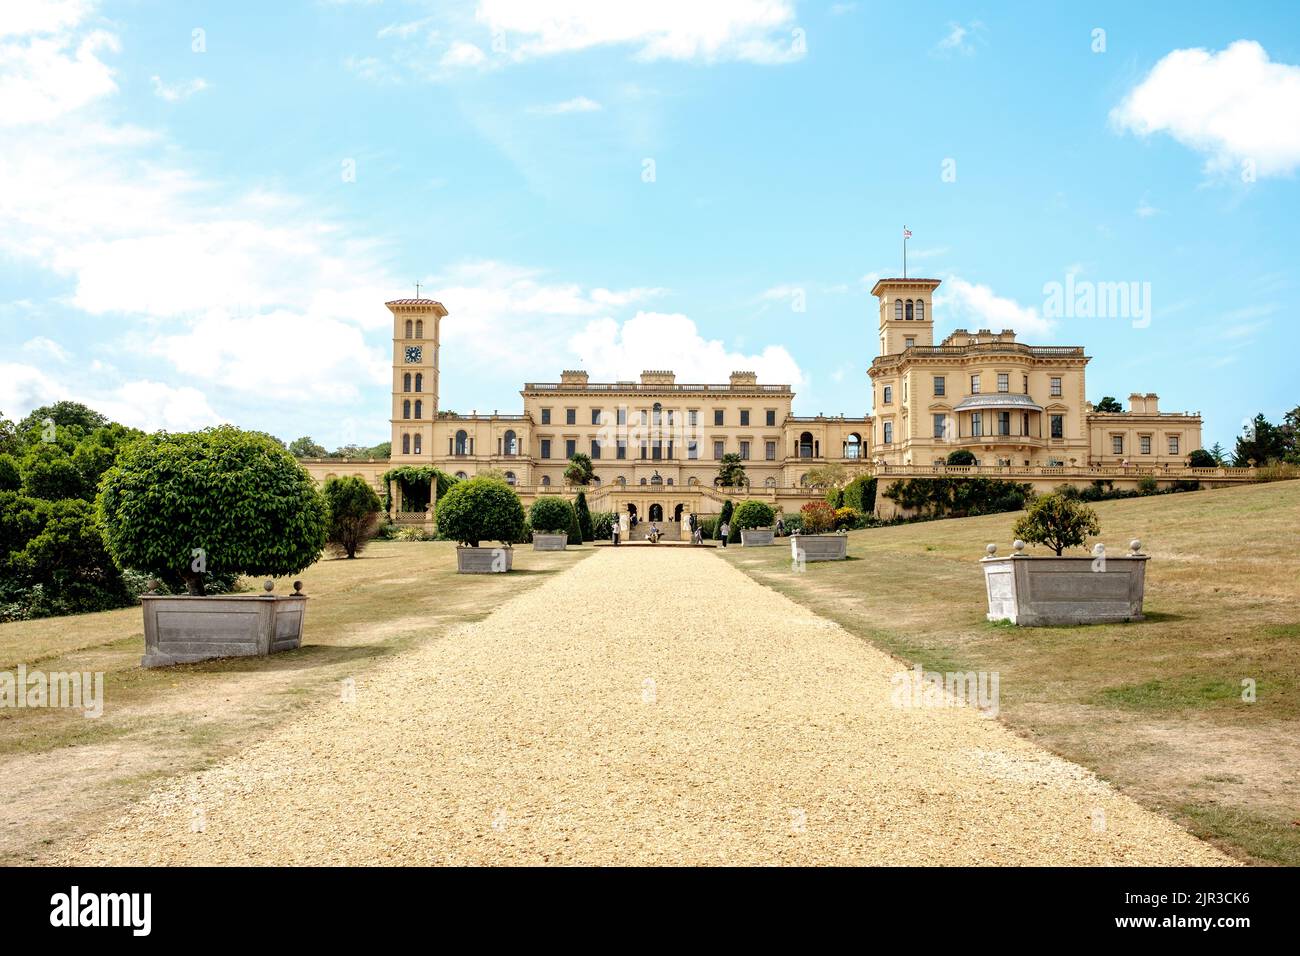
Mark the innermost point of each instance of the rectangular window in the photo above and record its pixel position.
(771, 418)
(717, 416)
(595, 416)
(570, 448)
(1117, 444)
(693, 417)
(744, 451)
(1058, 426)
(570, 416)
(657, 450)
(771, 451)
(940, 386)
(645, 450)
(909, 343)
(595, 449)
(546, 448)
(1144, 444)
(718, 449)
(977, 424)
(940, 426)
(744, 417)
(974, 384)
(1173, 445)
(645, 417)
(622, 450)
(546, 416)
(1056, 387)
(1025, 380)
(1004, 423)
(692, 450)
(889, 433)
(889, 395)
(622, 415)
(1004, 382)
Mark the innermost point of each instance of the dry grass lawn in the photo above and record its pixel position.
(1155, 707)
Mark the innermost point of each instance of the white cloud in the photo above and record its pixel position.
(43, 77)
(758, 31)
(462, 54)
(24, 387)
(404, 31)
(613, 351)
(49, 16)
(152, 405)
(1236, 106)
(579, 104)
(972, 306)
(960, 39)
(175, 92)
(43, 346)
(1145, 210)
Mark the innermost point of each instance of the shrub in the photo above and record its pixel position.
(962, 457)
(602, 524)
(709, 527)
(411, 533)
(860, 493)
(793, 523)
(752, 514)
(220, 500)
(481, 509)
(1057, 522)
(584, 516)
(551, 514)
(67, 561)
(1201, 459)
(818, 517)
(353, 514)
(1147, 485)
(959, 496)
(847, 518)
(10, 480)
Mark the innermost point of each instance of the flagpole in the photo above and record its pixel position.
(905, 251)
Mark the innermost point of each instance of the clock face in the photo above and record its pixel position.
(412, 354)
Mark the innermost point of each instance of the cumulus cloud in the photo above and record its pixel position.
(175, 92)
(973, 306)
(1236, 106)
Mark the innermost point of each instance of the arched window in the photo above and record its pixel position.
(806, 445)
(510, 443)
(670, 481)
(920, 310)
(898, 310)
(417, 444)
(643, 481)
(803, 481)
(909, 309)
(770, 483)
(419, 408)
(461, 475)
(419, 381)
(853, 446)
(409, 327)
(657, 415)
(621, 481)
(462, 443)
(419, 328)
(510, 478)
(406, 382)
(406, 444)
(546, 481)
(406, 408)
(692, 481)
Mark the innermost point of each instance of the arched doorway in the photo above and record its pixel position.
(656, 512)
(677, 512)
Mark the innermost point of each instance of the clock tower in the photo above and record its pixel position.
(415, 377)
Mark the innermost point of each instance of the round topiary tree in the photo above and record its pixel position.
(218, 501)
(1058, 522)
(481, 509)
(550, 515)
(961, 457)
(353, 514)
(749, 515)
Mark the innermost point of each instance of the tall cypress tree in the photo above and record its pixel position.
(584, 516)
(727, 509)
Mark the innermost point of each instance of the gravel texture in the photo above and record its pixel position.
(644, 706)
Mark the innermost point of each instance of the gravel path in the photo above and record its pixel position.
(609, 716)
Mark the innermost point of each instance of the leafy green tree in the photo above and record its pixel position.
(580, 470)
(751, 514)
(961, 457)
(731, 471)
(10, 479)
(1202, 459)
(1109, 404)
(9, 436)
(219, 501)
(21, 519)
(69, 562)
(353, 514)
(304, 447)
(584, 516)
(64, 415)
(1219, 454)
(551, 514)
(860, 493)
(1261, 442)
(480, 509)
(383, 450)
(49, 472)
(1057, 522)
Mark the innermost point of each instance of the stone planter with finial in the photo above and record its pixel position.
(1054, 591)
(182, 629)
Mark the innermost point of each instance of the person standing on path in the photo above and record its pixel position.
(780, 526)
(614, 530)
(725, 531)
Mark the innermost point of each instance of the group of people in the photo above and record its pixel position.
(693, 526)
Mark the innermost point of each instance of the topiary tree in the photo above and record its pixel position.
(480, 509)
(575, 532)
(817, 517)
(1058, 522)
(1202, 459)
(584, 516)
(353, 514)
(749, 515)
(725, 518)
(579, 471)
(962, 457)
(221, 501)
(551, 515)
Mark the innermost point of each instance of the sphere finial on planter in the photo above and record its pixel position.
(1135, 545)
(991, 550)
(1018, 545)
(297, 587)
(268, 586)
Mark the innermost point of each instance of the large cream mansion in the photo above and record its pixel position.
(656, 443)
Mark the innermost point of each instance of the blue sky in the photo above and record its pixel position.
(205, 205)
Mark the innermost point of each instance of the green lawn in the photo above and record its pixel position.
(67, 774)
(1155, 706)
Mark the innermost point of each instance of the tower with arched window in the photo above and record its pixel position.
(906, 313)
(416, 326)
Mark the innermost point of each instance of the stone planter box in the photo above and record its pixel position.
(1051, 591)
(484, 560)
(549, 542)
(819, 547)
(757, 537)
(180, 629)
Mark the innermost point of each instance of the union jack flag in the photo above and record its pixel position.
(907, 233)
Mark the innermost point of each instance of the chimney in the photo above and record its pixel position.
(658, 377)
(743, 379)
(1153, 403)
(573, 377)
(1137, 403)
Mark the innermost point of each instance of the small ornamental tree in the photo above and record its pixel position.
(550, 515)
(353, 514)
(580, 471)
(1201, 459)
(961, 456)
(817, 517)
(725, 518)
(584, 516)
(480, 509)
(221, 501)
(749, 515)
(575, 532)
(731, 471)
(1058, 522)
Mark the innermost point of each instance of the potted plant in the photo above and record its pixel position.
(481, 509)
(1059, 589)
(753, 522)
(814, 541)
(550, 519)
(219, 502)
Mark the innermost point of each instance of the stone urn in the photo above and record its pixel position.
(1060, 591)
